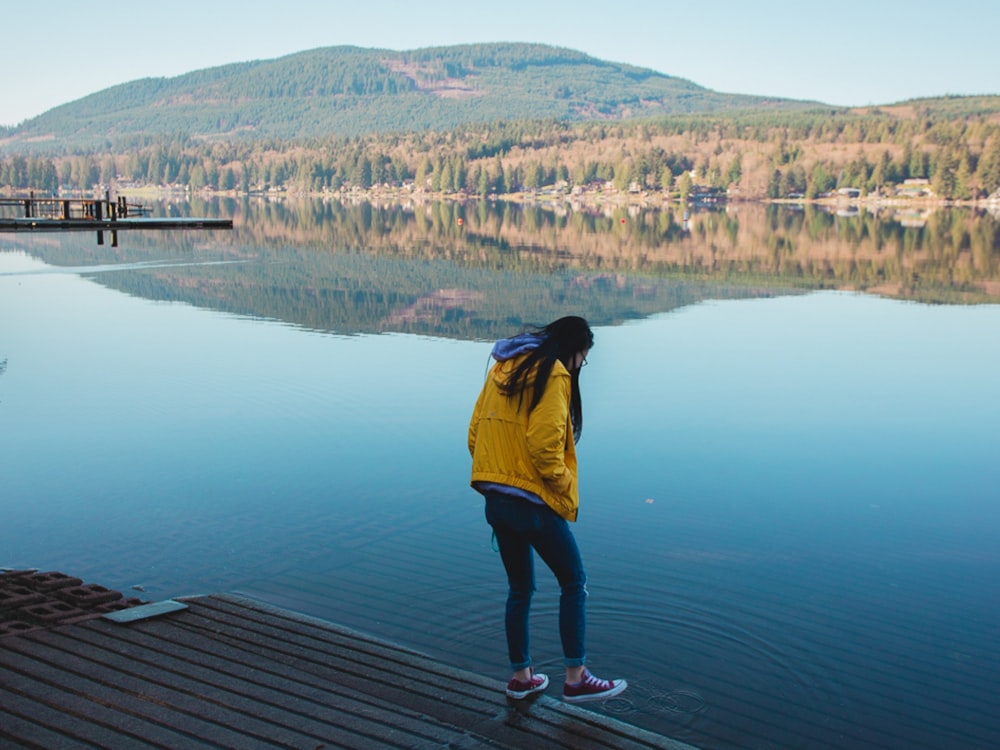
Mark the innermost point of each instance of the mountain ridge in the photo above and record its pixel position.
(353, 91)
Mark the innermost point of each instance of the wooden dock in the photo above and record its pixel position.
(230, 672)
(97, 214)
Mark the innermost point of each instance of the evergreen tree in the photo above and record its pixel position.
(735, 172)
(483, 182)
(65, 172)
(943, 171)
(460, 173)
(793, 181)
(905, 159)
(963, 176)
(533, 175)
(624, 174)
(684, 185)
(363, 173)
(502, 183)
(880, 173)
(422, 173)
(774, 184)
(988, 169)
(212, 174)
(108, 171)
(919, 167)
(444, 177)
(820, 181)
(380, 170)
(197, 180)
(714, 174)
(666, 180)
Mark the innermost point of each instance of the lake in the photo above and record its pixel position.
(789, 474)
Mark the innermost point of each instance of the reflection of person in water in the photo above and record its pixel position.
(522, 438)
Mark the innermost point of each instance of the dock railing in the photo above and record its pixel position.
(74, 209)
(101, 214)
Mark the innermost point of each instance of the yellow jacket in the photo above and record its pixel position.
(533, 452)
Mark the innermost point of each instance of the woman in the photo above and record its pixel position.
(522, 438)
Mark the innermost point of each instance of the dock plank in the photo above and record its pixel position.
(406, 679)
(325, 654)
(234, 672)
(141, 697)
(42, 709)
(432, 700)
(43, 729)
(91, 225)
(258, 696)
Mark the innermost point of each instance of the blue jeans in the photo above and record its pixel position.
(521, 525)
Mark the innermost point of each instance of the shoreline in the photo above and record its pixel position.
(551, 197)
(595, 199)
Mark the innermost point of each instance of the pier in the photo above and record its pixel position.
(81, 666)
(91, 214)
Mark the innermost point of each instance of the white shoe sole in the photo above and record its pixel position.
(618, 687)
(522, 694)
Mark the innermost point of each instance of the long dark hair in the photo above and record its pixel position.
(561, 339)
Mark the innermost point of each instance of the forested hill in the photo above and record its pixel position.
(348, 91)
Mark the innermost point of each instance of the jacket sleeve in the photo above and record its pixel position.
(547, 432)
(474, 422)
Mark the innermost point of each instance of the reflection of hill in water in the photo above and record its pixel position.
(360, 292)
(356, 292)
(477, 270)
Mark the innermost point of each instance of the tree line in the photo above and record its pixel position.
(755, 155)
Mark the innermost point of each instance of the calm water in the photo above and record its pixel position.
(789, 493)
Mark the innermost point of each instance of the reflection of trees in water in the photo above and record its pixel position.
(918, 250)
(473, 270)
(931, 255)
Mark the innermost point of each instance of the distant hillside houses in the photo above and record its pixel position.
(914, 188)
(910, 188)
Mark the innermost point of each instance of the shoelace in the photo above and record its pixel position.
(589, 679)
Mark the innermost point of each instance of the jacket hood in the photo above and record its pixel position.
(505, 349)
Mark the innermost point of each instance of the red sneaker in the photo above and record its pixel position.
(518, 689)
(591, 688)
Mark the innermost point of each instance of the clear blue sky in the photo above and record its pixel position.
(851, 52)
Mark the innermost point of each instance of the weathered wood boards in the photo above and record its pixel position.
(232, 672)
